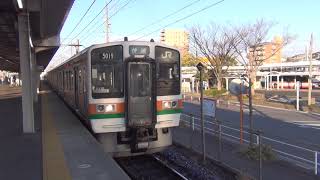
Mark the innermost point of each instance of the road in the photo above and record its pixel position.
(300, 129)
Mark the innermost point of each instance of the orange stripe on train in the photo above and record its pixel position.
(120, 107)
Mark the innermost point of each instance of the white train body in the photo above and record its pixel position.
(127, 93)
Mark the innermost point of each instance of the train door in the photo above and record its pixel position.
(140, 102)
(140, 94)
(85, 95)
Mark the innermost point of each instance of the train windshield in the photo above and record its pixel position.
(107, 72)
(168, 71)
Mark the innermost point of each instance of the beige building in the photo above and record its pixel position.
(268, 52)
(177, 38)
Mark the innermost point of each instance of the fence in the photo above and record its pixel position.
(300, 156)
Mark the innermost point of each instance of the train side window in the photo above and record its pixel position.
(67, 83)
(72, 79)
(84, 80)
(65, 80)
(80, 82)
(68, 80)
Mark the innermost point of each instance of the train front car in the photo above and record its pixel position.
(135, 96)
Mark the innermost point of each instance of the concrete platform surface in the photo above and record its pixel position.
(60, 149)
(20, 154)
(84, 157)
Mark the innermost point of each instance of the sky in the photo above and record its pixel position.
(129, 16)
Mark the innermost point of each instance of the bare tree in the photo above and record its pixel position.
(216, 45)
(253, 38)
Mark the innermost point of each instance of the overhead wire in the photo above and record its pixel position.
(91, 20)
(86, 26)
(96, 17)
(127, 2)
(94, 25)
(81, 18)
(183, 18)
(163, 18)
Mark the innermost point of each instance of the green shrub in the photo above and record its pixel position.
(252, 152)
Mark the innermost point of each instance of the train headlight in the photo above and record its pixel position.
(110, 108)
(100, 108)
(169, 104)
(166, 105)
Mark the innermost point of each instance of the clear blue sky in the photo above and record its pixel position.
(301, 17)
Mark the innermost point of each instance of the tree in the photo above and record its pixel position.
(189, 59)
(216, 45)
(252, 38)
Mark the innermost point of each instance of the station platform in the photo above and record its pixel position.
(60, 149)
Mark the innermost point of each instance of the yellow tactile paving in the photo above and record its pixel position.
(54, 164)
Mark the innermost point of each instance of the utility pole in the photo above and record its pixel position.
(107, 25)
(77, 46)
(310, 70)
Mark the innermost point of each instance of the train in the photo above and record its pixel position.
(292, 85)
(128, 94)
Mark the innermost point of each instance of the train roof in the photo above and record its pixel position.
(111, 44)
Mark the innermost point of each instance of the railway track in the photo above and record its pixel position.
(148, 167)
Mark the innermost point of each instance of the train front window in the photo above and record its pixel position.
(102, 78)
(168, 71)
(107, 72)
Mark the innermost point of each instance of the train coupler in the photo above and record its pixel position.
(140, 140)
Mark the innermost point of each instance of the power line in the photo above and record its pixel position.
(92, 20)
(95, 18)
(127, 2)
(181, 19)
(87, 24)
(165, 17)
(81, 18)
(99, 21)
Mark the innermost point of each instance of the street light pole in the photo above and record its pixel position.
(310, 71)
(200, 68)
(250, 111)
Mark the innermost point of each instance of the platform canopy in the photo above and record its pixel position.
(46, 18)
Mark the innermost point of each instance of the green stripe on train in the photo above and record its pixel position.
(106, 116)
(169, 111)
(121, 115)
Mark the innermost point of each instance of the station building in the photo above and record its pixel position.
(283, 75)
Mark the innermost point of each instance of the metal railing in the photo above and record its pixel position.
(298, 155)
